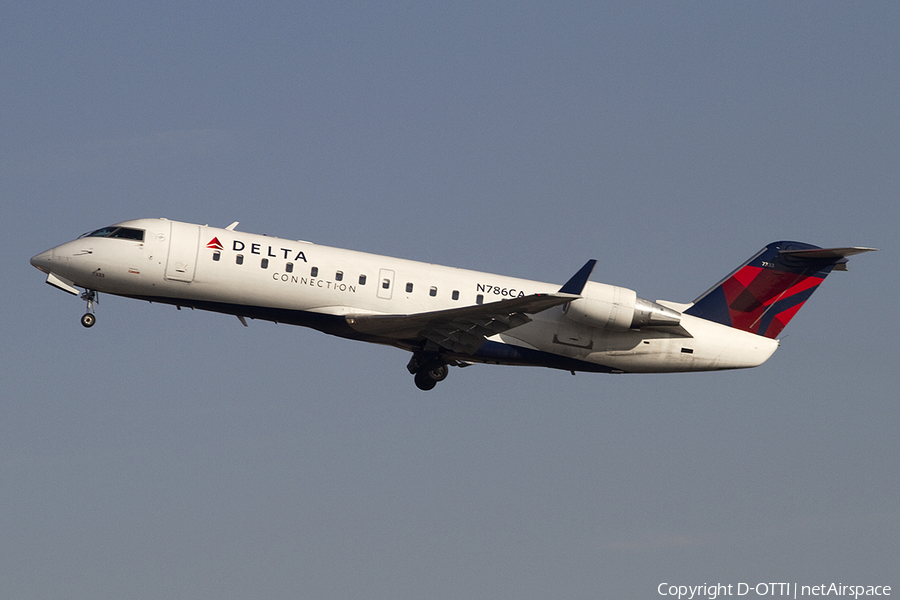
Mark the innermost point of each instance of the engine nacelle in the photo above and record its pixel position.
(618, 309)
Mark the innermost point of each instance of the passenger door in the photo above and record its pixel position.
(184, 241)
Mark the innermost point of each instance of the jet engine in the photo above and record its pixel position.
(618, 309)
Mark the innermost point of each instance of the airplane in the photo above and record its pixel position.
(446, 316)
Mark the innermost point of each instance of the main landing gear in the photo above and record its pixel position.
(428, 369)
(91, 297)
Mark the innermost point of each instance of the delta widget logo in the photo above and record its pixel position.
(269, 251)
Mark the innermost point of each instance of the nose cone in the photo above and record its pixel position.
(42, 261)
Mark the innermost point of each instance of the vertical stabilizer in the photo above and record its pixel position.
(763, 295)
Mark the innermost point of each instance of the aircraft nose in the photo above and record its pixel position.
(42, 261)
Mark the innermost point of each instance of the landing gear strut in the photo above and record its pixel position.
(428, 370)
(88, 319)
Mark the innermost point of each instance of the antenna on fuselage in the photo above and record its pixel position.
(232, 226)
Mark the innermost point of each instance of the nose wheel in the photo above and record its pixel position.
(88, 319)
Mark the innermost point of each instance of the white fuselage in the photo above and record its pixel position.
(301, 283)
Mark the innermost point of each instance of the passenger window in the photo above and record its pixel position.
(432, 292)
(386, 283)
(362, 280)
(339, 276)
(479, 299)
(314, 272)
(264, 263)
(239, 259)
(217, 256)
(409, 288)
(289, 268)
(455, 295)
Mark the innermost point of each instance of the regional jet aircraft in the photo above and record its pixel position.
(446, 316)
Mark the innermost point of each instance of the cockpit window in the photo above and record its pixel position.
(100, 232)
(124, 233)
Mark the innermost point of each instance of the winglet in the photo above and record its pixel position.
(578, 281)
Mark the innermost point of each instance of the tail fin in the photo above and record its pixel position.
(763, 295)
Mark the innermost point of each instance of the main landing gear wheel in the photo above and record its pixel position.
(428, 368)
(88, 319)
(424, 382)
(428, 376)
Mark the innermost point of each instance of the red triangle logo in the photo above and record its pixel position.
(215, 244)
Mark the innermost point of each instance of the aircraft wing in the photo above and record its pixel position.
(461, 330)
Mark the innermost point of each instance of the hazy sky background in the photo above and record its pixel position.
(177, 454)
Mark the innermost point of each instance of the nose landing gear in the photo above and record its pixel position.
(91, 297)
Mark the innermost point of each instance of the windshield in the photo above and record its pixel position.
(125, 233)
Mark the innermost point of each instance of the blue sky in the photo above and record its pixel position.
(176, 454)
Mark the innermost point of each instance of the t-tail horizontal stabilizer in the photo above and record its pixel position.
(828, 253)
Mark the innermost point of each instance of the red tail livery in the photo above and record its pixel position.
(765, 293)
